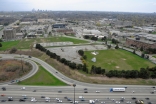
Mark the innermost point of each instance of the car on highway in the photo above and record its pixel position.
(85, 88)
(24, 96)
(2, 95)
(152, 92)
(33, 99)
(59, 101)
(21, 100)
(34, 90)
(113, 99)
(153, 87)
(23, 88)
(42, 96)
(149, 103)
(147, 98)
(10, 99)
(85, 91)
(3, 88)
(47, 99)
(3, 100)
(68, 99)
(97, 91)
(102, 102)
(128, 102)
(133, 98)
(76, 102)
(59, 91)
(117, 102)
(29, 56)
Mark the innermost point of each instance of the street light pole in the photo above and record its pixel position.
(74, 85)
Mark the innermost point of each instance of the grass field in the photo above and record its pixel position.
(65, 39)
(27, 43)
(42, 78)
(8, 45)
(117, 59)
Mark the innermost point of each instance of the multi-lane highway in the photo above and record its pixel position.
(104, 95)
(60, 92)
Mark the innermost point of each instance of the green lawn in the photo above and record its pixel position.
(117, 59)
(66, 39)
(42, 78)
(27, 43)
(8, 45)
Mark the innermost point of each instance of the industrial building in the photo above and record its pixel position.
(59, 25)
(9, 34)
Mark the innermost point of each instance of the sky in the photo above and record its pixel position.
(145, 6)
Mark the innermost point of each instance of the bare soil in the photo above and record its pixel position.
(12, 69)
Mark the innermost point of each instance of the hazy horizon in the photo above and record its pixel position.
(141, 6)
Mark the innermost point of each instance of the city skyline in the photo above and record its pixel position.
(80, 5)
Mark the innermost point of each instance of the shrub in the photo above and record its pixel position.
(13, 50)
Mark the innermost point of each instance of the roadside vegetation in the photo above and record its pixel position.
(42, 78)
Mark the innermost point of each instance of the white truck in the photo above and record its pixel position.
(117, 89)
(91, 102)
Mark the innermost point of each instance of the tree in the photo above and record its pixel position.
(86, 37)
(141, 49)
(104, 38)
(81, 52)
(142, 55)
(133, 51)
(0, 44)
(117, 47)
(84, 57)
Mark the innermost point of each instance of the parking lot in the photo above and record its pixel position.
(71, 52)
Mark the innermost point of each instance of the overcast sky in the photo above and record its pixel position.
(146, 6)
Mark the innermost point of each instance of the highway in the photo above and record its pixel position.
(15, 91)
